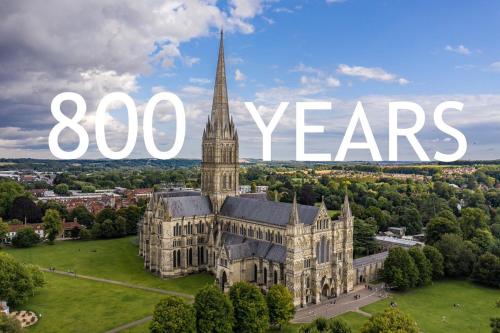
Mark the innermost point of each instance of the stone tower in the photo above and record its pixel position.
(348, 226)
(220, 166)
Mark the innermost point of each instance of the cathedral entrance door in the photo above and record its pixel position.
(324, 291)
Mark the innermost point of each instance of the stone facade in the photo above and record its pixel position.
(238, 238)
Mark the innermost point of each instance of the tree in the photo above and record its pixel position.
(61, 189)
(439, 226)
(17, 281)
(85, 234)
(105, 214)
(472, 219)
(88, 189)
(172, 314)
(483, 239)
(423, 264)
(132, 215)
(458, 256)
(391, 320)
(9, 324)
(24, 209)
(322, 325)
(400, 271)
(25, 237)
(280, 304)
(4, 229)
(82, 215)
(52, 224)
(436, 259)
(253, 187)
(487, 270)
(9, 190)
(250, 308)
(214, 311)
(495, 325)
(364, 237)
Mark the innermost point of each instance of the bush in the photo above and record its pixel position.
(322, 325)
(9, 324)
(26, 237)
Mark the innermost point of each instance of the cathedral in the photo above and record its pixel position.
(243, 237)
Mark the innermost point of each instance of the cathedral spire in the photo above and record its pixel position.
(294, 215)
(346, 208)
(220, 106)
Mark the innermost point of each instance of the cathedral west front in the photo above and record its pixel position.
(242, 238)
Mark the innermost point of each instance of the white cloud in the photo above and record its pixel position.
(495, 66)
(460, 49)
(196, 80)
(371, 73)
(332, 82)
(239, 76)
(246, 8)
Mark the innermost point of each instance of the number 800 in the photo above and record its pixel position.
(81, 108)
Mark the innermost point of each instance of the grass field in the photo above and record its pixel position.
(75, 305)
(432, 307)
(114, 259)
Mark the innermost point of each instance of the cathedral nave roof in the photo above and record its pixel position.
(270, 212)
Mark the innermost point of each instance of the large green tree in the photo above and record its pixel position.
(4, 229)
(392, 320)
(17, 281)
(214, 311)
(9, 190)
(24, 209)
(82, 215)
(52, 224)
(173, 315)
(423, 264)
(487, 270)
(459, 257)
(400, 271)
(280, 305)
(436, 259)
(472, 219)
(439, 226)
(250, 309)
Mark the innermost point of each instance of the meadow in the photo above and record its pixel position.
(69, 304)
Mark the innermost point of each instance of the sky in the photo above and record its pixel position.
(341, 51)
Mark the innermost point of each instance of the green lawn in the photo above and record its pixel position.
(76, 305)
(115, 259)
(432, 307)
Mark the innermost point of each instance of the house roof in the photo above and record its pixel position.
(242, 247)
(270, 212)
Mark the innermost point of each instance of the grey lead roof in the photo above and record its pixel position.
(270, 212)
(188, 206)
(241, 247)
(370, 259)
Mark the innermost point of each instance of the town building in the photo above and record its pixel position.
(240, 238)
